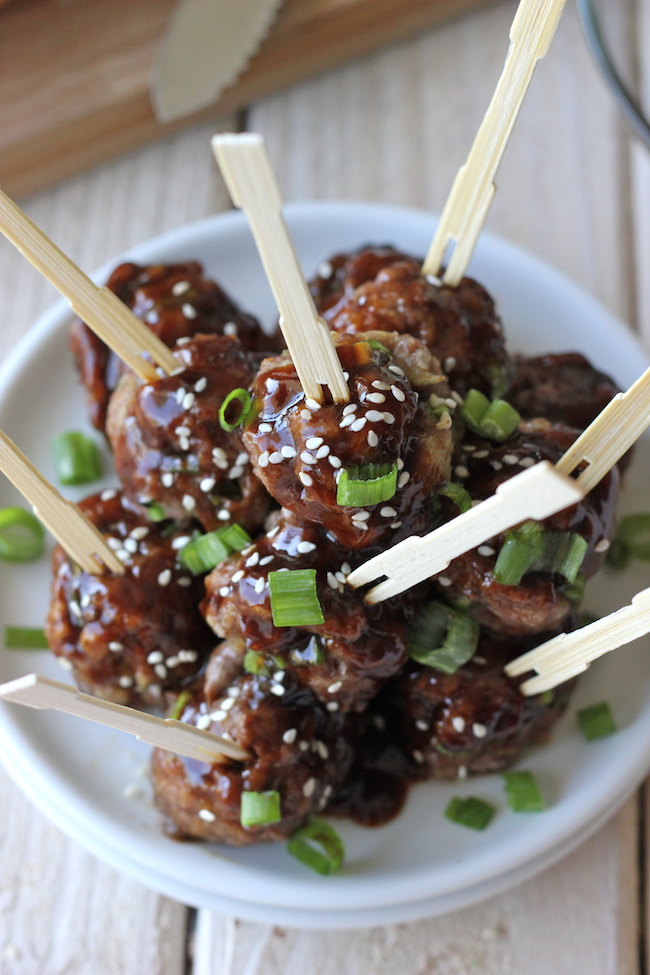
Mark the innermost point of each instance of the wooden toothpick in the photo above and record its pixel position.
(35, 691)
(569, 654)
(471, 195)
(252, 184)
(536, 493)
(103, 312)
(83, 542)
(610, 435)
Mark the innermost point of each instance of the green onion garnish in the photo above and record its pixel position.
(294, 598)
(260, 808)
(522, 792)
(471, 812)
(309, 656)
(77, 458)
(238, 405)
(457, 494)
(255, 663)
(179, 705)
(22, 537)
(374, 344)
(618, 554)
(205, 551)
(25, 638)
(531, 549)
(495, 421)
(368, 484)
(596, 721)
(443, 638)
(325, 860)
(156, 511)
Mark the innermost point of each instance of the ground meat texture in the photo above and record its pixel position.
(300, 448)
(459, 325)
(174, 300)
(475, 721)
(127, 638)
(170, 447)
(338, 277)
(357, 647)
(298, 750)
(541, 601)
(562, 388)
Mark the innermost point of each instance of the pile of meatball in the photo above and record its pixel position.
(336, 716)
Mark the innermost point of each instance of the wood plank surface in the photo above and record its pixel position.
(74, 85)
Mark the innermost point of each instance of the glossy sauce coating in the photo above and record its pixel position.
(128, 638)
(561, 388)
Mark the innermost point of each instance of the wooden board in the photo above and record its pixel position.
(74, 85)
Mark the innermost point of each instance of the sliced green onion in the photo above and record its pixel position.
(294, 598)
(311, 655)
(495, 421)
(255, 663)
(499, 380)
(471, 812)
(443, 638)
(77, 458)
(260, 808)
(368, 484)
(374, 344)
(180, 703)
(618, 554)
(457, 494)
(205, 551)
(563, 553)
(522, 792)
(156, 511)
(25, 638)
(575, 593)
(22, 537)
(596, 721)
(327, 856)
(531, 549)
(634, 531)
(238, 413)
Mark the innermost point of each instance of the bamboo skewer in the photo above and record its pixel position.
(83, 542)
(610, 435)
(474, 188)
(537, 493)
(570, 654)
(103, 312)
(252, 184)
(35, 691)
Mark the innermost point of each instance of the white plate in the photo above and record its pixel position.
(420, 863)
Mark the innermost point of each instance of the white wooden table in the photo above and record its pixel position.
(393, 128)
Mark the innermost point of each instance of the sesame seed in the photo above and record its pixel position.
(203, 722)
(346, 375)
(398, 393)
(389, 418)
(602, 545)
(126, 681)
(335, 687)
(184, 581)
(305, 415)
(325, 270)
(305, 479)
(340, 576)
(113, 543)
(155, 657)
(288, 451)
(290, 736)
(265, 428)
(131, 545)
(312, 404)
(347, 421)
(418, 756)
(180, 394)
(378, 384)
(372, 438)
(223, 515)
(396, 371)
(207, 484)
(172, 662)
(123, 555)
(227, 704)
(183, 340)
(322, 452)
(400, 464)
(279, 676)
(486, 550)
(379, 722)
(361, 516)
(421, 725)
(480, 454)
(307, 458)
(331, 580)
(238, 576)
(273, 532)
(266, 559)
(332, 706)
(374, 416)
(188, 502)
(376, 398)
(450, 363)
(230, 329)
(345, 568)
(189, 311)
(479, 730)
(207, 816)
(403, 479)
(458, 724)
(184, 443)
(188, 401)
(445, 422)
(388, 512)
(360, 525)
(461, 471)
(254, 559)
(335, 461)
(462, 772)
(396, 525)
(277, 689)
(181, 287)
(305, 547)
(496, 465)
(108, 494)
(115, 646)
(263, 459)
(140, 532)
(323, 750)
(165, 577)
(237, 471)
(303, 746)
(188, 656)
(350, 408)
(217, 716)
(444, 581)
(308, 787)
(260, 585)
(358, 424)
(224, 591)
(160, 671)
(313, 443)
(275, 458)
(510, 459)
(65, 663)
(200, 384)
(233, 692)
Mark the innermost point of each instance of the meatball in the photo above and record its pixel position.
(301, 449)
(562, 388)
(542, 600)
(459, 325)
(170, 447)
(344, 660)
(476, 720)
(297, 748)
(174, 300)
(128, 638)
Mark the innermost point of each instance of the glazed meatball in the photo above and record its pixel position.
(297, 749)
(542, 600)
(562, 388)
(301, 449)
(459, 325)
(128, 638)
(170, 447)
(174, 300)
(476, 720)
(344, 660)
